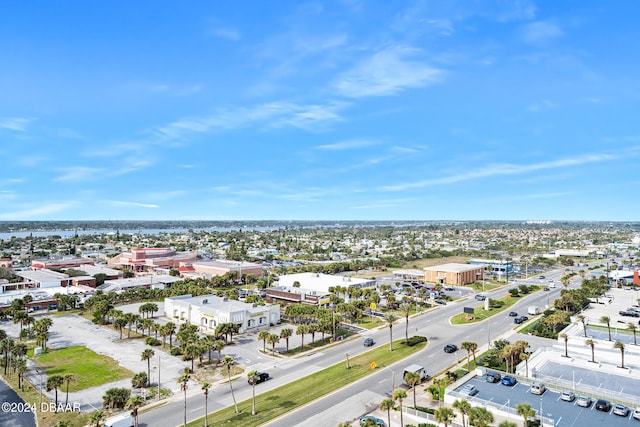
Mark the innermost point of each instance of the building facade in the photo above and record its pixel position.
(147, 259)
(454, 274)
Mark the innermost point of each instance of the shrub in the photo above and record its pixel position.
(514, 292)
(175, 351)
(416, 340)
(494, 303)
(524, 289)
(152, 341)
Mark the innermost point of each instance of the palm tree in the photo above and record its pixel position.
(582, 319)
(525, 411)
(405, 309)
(147, 354)
(97, 418)
(620, 346)
(262, 336)
(526, 356)
(205, 388)
(464, 407)
(607, 320)
(390, 319)
(507, 424)
(480, 417)
(67, 379)
(273, 340)
(386, 405)
(565, 337)
(228, 364)
(413, 379)
(183, 380)
(444, 415)
(301, 330)
(286, 334)
(253, 378)
(400, 395)
(591, 343)
(466, 345)
(633, 328)
(134, 403)
(53, 383)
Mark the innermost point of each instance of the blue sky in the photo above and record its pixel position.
(340, 109)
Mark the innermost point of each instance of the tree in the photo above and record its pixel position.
(470, 347)
(262, 336)
(116, 397)
(480, 417)
(633, 328)
(507, 423)
(205, 389)
(286, 334)
(386, 405)
(134, 403)
(565, 337)
(405, 309)
(183, 380)
(400, 395)
(218, 345)
(413, 379)
(464, 407)
(147, 354)
(53, 383)
(444, 415)
(607, 320)
(228, 364)
(591, 343)
(253, 379)
(273, 340)
(68, 378)
(119, 323)
(525, 411)
(620, 346)
(301, 330)
(390, 319)
(526, 357)
(139, 380)
(582, 319)
(97, 417)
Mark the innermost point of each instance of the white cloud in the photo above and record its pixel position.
(347, 145)
(539, 32)
(387, 72)
(17, 124)
(227, 33)
(43, 210)
(133, 204)
(78, 173)
(502, 169)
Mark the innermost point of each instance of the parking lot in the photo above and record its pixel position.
(505, 398)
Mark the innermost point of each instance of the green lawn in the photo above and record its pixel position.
(480, 313)
(89, 368)
(283, 399)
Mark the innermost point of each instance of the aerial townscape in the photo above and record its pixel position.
(319, 213)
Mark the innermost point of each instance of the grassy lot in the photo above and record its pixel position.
(89, 369)
(283, 399)
(480, 313)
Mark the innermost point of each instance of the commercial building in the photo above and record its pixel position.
(157, 281)
(60, 263)
(313, 288)
(409, 275)
(147, 259)
(454, 274)
(212, 268)
(290, 295)
(498, 265)
(209, 311)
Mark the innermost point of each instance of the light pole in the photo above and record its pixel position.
(158, 376)
(40, 375)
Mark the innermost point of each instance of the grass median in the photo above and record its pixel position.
(284, 399)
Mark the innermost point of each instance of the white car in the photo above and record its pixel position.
(584, 401)
(567, 396)
(469, 390)
(636, 413)
(537, 388)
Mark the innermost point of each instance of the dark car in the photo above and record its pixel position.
(449, 288)
(509, 380)
(377, 421)
(513, 314)
(546, 289)
(493, 377)
(440, 302)
(450, 348)
(603, 405)
(260, 377)
(368, 342)
(520, 319)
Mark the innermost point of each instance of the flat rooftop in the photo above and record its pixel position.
(453, 267)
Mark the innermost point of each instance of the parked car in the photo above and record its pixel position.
(509, 380)
(620, 409)
(537, 388)
(513, 314)
(368, 342)
(378, 422)
(567, 396)
(493, 377)
(469, 390)
(260, 377)
(603, 405)
(441, 302)
(520, 319)
(450, 348)
(636, 413)
(481, 297)
(584, 401)
(449, 288)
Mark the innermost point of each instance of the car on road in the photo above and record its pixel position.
(603, 405)
(449, 288)
(541, 277)
(368, 342)
(493, 377)
(546, 289)
(481, 297)
(584, 401)
(450, 348)
(520, 319)
(378, 422)
(513, 314)
(537, 388)
(469, 390)
(440, 302)
(260, 377)
(620, 409)
(509, 380)
(567, 396)
(636, 413)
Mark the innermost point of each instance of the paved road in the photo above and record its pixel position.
(10, 416)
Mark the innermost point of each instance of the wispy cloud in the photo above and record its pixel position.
(17, 124)
(540, 31)
(387, 72)
(164, 195)
(503, 169)
(79, 173)
(42, 210)
(347, 145)
(383, 204)
(164, 89)
(133, 204)
(227, 33)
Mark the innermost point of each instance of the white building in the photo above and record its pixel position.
(208, 311)
(152, 281)
(320, 282)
